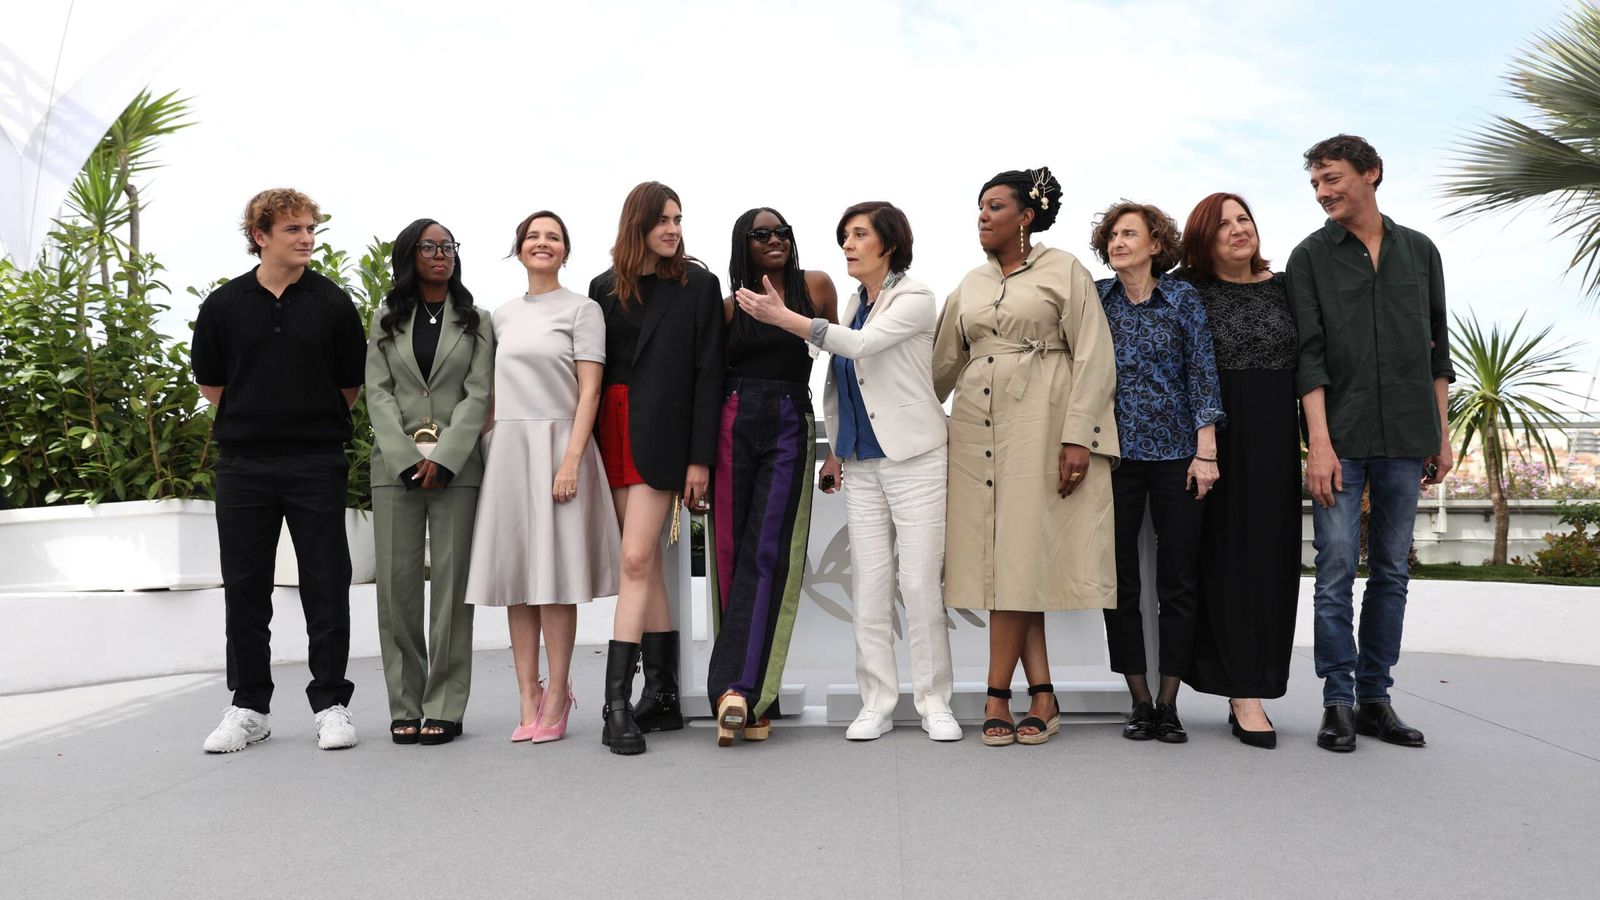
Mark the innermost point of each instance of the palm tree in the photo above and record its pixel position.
(104, 197)
(1505, 384)
(1553, 157)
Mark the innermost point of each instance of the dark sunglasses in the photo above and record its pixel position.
(762, 235)
(429, 249)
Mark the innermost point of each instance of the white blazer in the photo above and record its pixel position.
(894, 369)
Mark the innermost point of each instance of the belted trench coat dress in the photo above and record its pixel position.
(1030, 360)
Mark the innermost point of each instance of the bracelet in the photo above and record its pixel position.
(1209, 459)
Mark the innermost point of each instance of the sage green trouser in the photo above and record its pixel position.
(429, 680)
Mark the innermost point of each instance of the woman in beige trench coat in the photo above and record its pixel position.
(1024, 344)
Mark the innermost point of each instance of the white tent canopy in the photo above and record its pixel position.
(67, 70)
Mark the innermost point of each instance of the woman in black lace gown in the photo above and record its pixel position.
(1250, 553)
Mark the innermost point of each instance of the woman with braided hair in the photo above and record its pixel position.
(1024, 345)
(761, 493)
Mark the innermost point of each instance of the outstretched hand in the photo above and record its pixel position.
(766, 307)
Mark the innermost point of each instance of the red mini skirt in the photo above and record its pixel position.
(616, 449)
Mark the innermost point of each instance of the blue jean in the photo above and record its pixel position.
(1350, 675)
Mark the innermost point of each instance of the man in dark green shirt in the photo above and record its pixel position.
(1374, 374)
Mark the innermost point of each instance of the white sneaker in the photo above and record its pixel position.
(868, 726)
(941, 726)
(334, 731)
(240, 728)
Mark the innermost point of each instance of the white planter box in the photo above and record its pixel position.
(135, 545)
(363, 558)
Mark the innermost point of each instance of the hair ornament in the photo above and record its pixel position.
(1041, 186)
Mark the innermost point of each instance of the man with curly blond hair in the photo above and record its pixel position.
(280, 352)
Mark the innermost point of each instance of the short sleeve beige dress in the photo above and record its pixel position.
(526, 548)
(1029, 357)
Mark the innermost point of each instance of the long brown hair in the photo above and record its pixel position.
(1200, 237)
(639, 215)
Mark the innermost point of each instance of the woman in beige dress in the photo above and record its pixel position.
(1024, 344)
(547, 538)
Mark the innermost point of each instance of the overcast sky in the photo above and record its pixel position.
(476, 113)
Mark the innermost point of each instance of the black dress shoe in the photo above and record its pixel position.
(1266, 740)
(1141, 724)
(1168, 729)
(1338, 729)
(1376, 718)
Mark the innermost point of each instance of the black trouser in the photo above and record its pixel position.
(255, 496)
(1178, 518)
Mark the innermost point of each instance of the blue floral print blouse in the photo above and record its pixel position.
(1166, 369)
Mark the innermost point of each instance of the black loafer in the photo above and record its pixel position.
(1338, 731)
(1168, 729)
(1376, 718)
(1141, 724)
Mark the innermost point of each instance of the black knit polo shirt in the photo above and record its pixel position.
(281, 362)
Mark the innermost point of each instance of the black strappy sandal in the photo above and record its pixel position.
(1010, 734)
(1046, 727)
(452, 730)
(402, 738)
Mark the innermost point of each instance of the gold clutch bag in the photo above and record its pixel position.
(426, 436)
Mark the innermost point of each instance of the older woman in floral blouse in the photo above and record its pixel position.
(1168, 408)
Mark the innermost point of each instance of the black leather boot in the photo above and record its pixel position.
(658, 708)
(1338, 732)
(1376, 718)
(621, 733)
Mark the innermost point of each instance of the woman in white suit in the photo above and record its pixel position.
(887, 428)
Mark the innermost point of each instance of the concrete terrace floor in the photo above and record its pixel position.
(104, 793)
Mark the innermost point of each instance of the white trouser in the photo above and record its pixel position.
(898, 507)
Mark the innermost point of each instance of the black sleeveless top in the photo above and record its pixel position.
(768, 352)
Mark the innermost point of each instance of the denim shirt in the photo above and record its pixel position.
(1166, 369)
(856, 436)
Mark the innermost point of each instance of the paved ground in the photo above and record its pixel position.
(104, 793)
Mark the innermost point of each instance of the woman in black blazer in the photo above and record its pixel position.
(657, 431)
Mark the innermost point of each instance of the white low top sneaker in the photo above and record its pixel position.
(868, 726)
(941, 726)
(334, 730)
(239, 729)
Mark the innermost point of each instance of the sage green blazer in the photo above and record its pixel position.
(455, 396)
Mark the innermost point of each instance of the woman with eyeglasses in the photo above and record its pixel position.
(430, 369)
(761, 504)
(887, 433)
(658, 440)
(547, 536)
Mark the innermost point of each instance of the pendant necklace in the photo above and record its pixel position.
(433, 317)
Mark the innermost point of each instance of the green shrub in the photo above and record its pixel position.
(1575, 553)
(97, 403)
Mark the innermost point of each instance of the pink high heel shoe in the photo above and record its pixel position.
(543, 734)
(527, 732)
